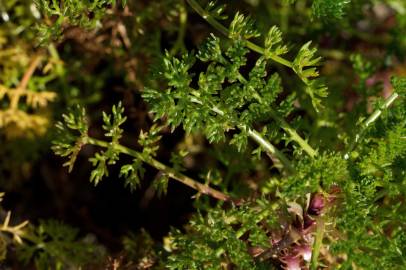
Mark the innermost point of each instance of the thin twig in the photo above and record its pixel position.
(179, 43)
(213, 22)
(271, 149)
(202, 188)
(257, 137)
(284, 125)
(28, 73)
(19, 91)
(371, 119)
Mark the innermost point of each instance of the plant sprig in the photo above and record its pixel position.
(399, 85)
(69, 144)
(303, 65)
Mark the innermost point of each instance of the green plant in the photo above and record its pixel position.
(51, 244)
(294, 174)
(316, 202)
(86, 14)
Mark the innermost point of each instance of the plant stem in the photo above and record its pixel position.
(254, 135)
(21, 89)
(371, 119)
(293, 134)
(269, 148)
(213, 22)
(284, 125)
(204, 189)
(28, 73)
(317, 242)
(179, 44)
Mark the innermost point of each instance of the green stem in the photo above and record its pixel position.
(269, 148)
(222, 29)
(293, 134)
(253, 134)
(378, 112)
(284, 125)
(371, 119)
(317, 242)
(179, 44)
(172, 173)
(205, 15)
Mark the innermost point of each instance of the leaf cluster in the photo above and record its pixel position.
(85, 14)
(329, 10)
(72, 136)
(223, 99)
(217, 239)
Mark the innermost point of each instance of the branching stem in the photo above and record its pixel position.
(202, 188)
(293, 134)
(254, 135)
(222, 29)
(371, 119)
(205, 15)
(284, 125)
(271, 149)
